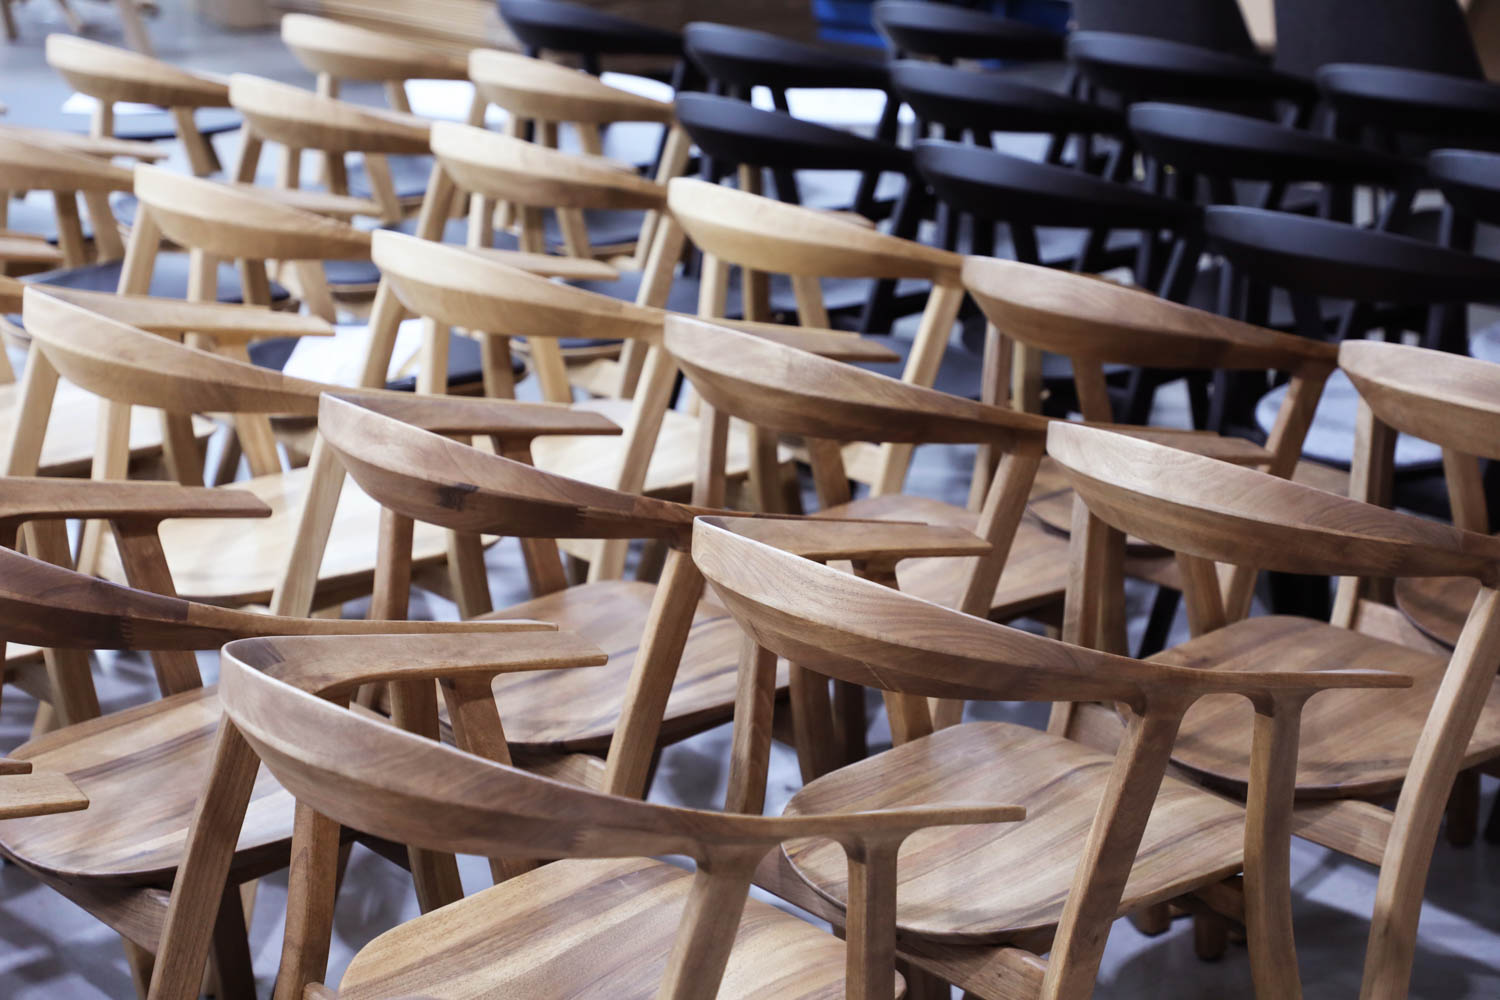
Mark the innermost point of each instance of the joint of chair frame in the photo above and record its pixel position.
(333, 667)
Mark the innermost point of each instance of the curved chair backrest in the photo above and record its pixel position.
(736, 132)
(509, 169)
(337, 50)
(1445, 398)
(743, 58)
(1431, 35)
(757, 232)
(28, 163)
(1469, 180)
(553, 26)
(545, 91)
(1210, 24)
(109, 73)
(430, 478)
(994, 102)
(300, 119)
(953, 32)
(1212, 510)
(236, 222)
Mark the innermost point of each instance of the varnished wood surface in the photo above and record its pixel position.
(626, 914)
(992, 885)
(38, 793)
(1437, 605)
(1356, 744)
(235, 563)
(579, 710)
(68, 449)
(143, 770)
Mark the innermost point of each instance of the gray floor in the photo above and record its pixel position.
(51, 949)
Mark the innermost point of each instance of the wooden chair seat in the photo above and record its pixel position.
(1036, 570)
(587, 928)
(674, 463)
(234, 563)
(68, 449)
(1437, 605)
(1356, 745)
(143, 770)
(990, 885)
(579, 710)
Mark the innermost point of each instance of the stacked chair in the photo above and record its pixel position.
(570, 370)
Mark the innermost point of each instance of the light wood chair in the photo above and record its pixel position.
(1358, 749)
(672, 655)
(474, 289)
(762, 236)
(31, 161)
(539, 97)
(647, 927)
(338, 51)
(1094, 323)
(144, 769)
(110, 74)
(1106, 832)
(785, 390)
(233, 566)
(301, 120)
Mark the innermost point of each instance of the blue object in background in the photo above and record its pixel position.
(849, 21)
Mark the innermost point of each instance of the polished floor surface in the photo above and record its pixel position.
(51, 950)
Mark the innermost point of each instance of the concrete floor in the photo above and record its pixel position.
(50, 949)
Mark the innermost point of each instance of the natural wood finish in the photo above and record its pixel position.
(861, 631)
(296, 733)
(1242, 517)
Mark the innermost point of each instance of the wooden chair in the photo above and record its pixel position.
(1355, 749)
(110, 74)
(144, 770)
(301, 120)
(475, 289)
(104, 353)
(338, 51)
(762, 237)
(30, 161)
(1106, 831)
(640, 922)
(539, 97)
(1095, 324)
(784, 390)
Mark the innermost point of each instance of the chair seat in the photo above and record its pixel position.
(1354, 743)
(674, 462)
(577, 929)
(68, 449)
(578, 710)
(236, 562)
(143, 770)
(1437, 605)
(1036, 570)
(989, 884)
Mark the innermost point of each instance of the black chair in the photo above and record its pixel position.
(993, 187)
(947, 32)
(1210, 24)
(587, 33)
(737, 60)
(732, 133)
(1431, 35)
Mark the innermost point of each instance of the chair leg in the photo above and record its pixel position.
(231, 949)
(141, 963)
(1210, 936)
(1152, 920)
(1463, 809)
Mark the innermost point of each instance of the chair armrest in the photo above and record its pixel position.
(333, 665)
(338, 206)
(226, 323)
(105, 148)
(1271, 685)
(825, 539)
(835, 344)
(502, 418)
(1209, 444)
(854, 829)
(39, 794)
(51, 498)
